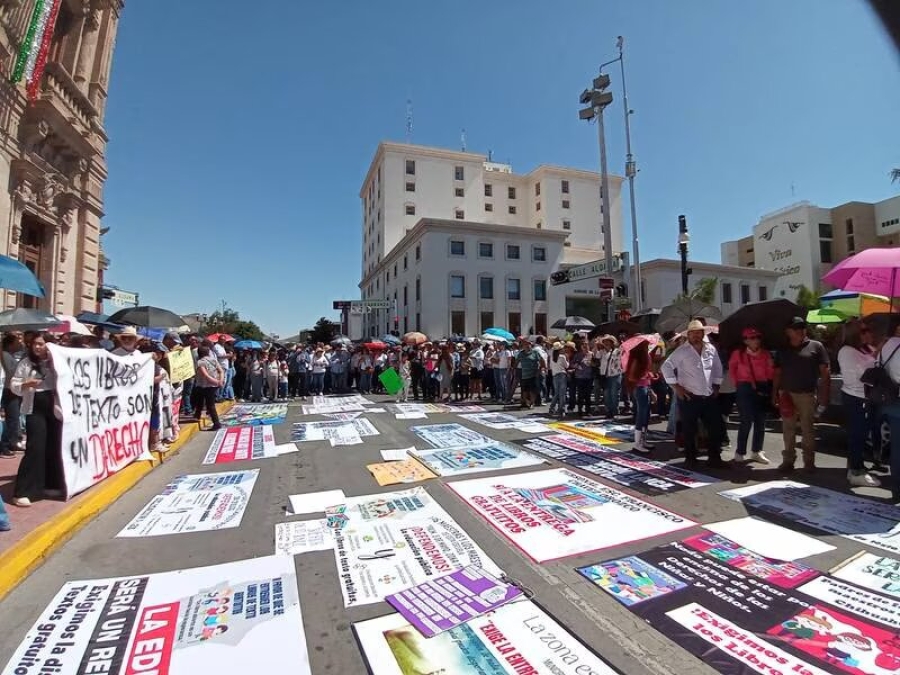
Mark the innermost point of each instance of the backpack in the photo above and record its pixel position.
(880, 388)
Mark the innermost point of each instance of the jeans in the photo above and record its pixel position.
(611, 395)
(672, 424)
(4, 517)
(558, 402)
(694, 409)
(642, 408)
(227, 389)
(892, 412)
(186, 397)
(805, 411)
(500, 383)
(303, 384)
(317, 384)
(661, 389)
(338, 381)
(857, 411)
(752, 412)
(11, 427)
(583, 393)
(365, 382)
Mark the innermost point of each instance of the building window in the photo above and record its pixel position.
(418, 252)
(410, 167)
(825, 231)
(459, 173)
(763, 293)
(460, 214)
(457, 286)
(537, 207)
(564, 186)
(486, 288)
(418, 293)
(485, 250)
(418, 321)
(538, 254)
(540, 289)
(540, 323)
(567, 225)
(405, 296)
(515, 323)
(487, 320)
(537, 189)
(457, 323)
(513, 292)
(512, 210)
(395, 270)
(511, 192)
(726, 293)
(488, 190)
(565, 205)
(745, 294)
(410, 187)
(851, 244)
(488, 207)
(849, 225)
(405, 262)
(825, 251)
(387, 278)
(410, 209)
(459, 192)
(512, 251)
(457, 247)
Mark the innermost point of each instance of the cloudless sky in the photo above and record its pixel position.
(240, 133)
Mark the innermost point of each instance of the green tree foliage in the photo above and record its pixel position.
(704, 291)
(807, 298)
(895, 175)
(324, 331)
(230, 322)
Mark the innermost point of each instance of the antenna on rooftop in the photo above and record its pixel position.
(409, 120)
(490, 155)
(462, 139)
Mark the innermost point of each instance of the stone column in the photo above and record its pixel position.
(88, 51)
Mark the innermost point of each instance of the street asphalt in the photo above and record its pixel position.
(600, 621)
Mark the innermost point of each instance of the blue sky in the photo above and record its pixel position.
(240, 134)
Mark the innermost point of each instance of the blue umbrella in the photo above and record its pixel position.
(14, 276)
(389, 339)
(248, 344)
(501, 333)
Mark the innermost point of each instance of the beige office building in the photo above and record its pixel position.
(53, 153)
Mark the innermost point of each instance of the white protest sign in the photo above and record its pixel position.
(106, 402)
(875, 572)
(303, 536)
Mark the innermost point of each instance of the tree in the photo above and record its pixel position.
(324, 331)
(807, 298)
(704, 291)
(895, 175)
(230, 322)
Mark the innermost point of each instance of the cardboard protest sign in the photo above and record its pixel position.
(181, 365)
(302, 536)
(234, 444)
(475, 458)
(516, 639)
(449, 435)
(106, 403)
(254, 413)
(557, 513)
(403, 471)
(875, 572)
(195, 503)
(220, 618)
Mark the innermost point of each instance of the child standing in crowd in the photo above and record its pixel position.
(272, 374)
(283, 376)
(405, 372)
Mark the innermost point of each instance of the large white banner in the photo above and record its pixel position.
(518, 638)
(106, 402)
(195, 503)
(234, 444)
(833, 512)
(395, 540)
(231, 618)
(475, 458)
(557, 513)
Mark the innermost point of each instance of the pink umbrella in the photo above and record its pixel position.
(632, 342)
(875, 271)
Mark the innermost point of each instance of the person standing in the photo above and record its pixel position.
(476, 357)
(366, 366)
(12, 354)
(273, 373)
(256, 370)
(221, 355)
(533, 366)
(694, 371)
(339, 364)
(210, 377)
(559, 365)
(445, 373)
(752, 370)
(854, 358)
(501, 368)
(889, 358)
(637, 381)
(404, 370)
(610, 369)
(318, 366)
(799, 368)
(584, 377)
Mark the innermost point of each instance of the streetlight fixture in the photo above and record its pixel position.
(683, 240)
(597, 98)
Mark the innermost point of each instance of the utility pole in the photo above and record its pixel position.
(683, 239)
(598, 98)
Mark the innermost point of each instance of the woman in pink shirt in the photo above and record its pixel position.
(638, 376)
(752, 368)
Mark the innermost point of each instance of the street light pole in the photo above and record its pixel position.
(683, 239)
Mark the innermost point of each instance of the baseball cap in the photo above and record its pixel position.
(797, 322)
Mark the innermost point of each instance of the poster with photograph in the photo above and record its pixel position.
(225, 618)
(516, 639)
(235, 444)
(475, 458)
(195, 503)
(557, 513)
(254, 413)
(449, 435)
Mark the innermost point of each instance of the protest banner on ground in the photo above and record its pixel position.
(608, 432)
(504, 421)
(302, 536)
(875, 572)
(254, 413)
(517, 639)
(342, 416)
(740, 619)
(557, 513)
(769, 540)
(332, 409)
(833, 512)
(318, 431)
(449, 435)
(466, 408)
(642, 475)
(234, 444)
(195, 503)
(402, 471)
(395, 540)
(106, 402)
(220, 618)
(181, 365)
(426, 408)
(475, 458)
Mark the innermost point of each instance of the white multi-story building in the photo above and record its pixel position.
(441, 202)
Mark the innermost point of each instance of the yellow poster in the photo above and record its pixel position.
(405, 471)
(581, 429)
(181, 365)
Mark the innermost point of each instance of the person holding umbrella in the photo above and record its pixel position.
(694, 371)
(752, 370)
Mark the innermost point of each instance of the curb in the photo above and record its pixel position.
(25, 556)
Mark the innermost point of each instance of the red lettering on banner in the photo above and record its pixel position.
(117, 447)
(152, 647)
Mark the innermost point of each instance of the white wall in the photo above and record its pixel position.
(729, 253)
(664, 285)
(793, 254)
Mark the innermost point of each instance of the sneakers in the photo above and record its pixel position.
(23, 502)
(862, 479)
(639, 444)
(759, 457)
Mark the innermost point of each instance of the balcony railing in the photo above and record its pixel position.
(59, 86)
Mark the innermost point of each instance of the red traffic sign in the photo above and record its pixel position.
(606, 282)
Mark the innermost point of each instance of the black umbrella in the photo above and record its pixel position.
(573, 323)
(148, 317)
(678, 315)
(27, 319)
(615, 328)
(770, 318)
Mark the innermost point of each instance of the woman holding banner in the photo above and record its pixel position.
(40, 471)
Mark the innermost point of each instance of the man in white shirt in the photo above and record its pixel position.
(695, 373)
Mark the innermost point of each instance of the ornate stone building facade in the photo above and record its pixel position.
(53, 153)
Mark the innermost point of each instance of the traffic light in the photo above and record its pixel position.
(560, 277)
(622, 290)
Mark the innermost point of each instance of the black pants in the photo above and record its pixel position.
(293, 384)
(11, 431)
(303, 384)
(41, 467)
(690, 412)
(584, 387)
(206, 397)
(239, 384)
